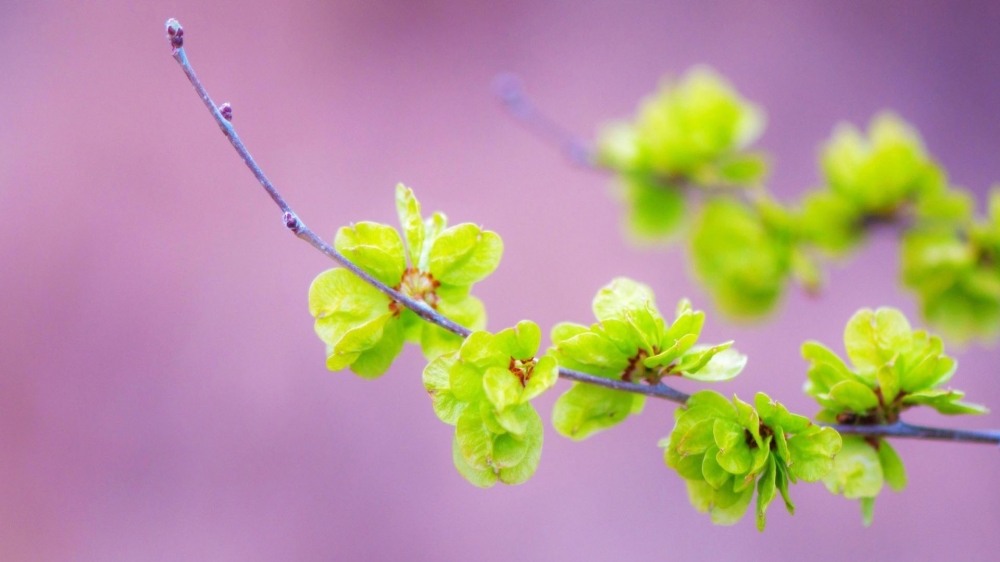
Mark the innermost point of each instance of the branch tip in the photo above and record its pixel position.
(175, 33)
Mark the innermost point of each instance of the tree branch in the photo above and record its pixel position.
(223, 115)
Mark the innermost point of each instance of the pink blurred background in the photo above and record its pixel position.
(163, 396)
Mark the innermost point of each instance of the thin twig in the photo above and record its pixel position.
(907, 431)
(176, 36)
(510, 91)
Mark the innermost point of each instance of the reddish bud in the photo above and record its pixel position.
(175, 33)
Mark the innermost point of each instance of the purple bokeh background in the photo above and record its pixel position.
(163, 396)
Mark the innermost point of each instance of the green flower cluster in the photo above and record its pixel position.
(744, 256)
(956, 274)
(437, 266)
(724, 450)
(745, 247)
(484, 390)
(631, 342)
(884, 177)
(894, 368)
(692, 132)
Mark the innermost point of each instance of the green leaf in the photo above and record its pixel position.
(565, 331)
(655, 209)
(502, 388)
(533, 436)
(734, 453)
(729, 506)
(592, 353)
(339, 300)
(698, 439)
(433, 227)
(375, 248)
(669, 355)
(483, 478)
(465, 254)
(619, 296)
(711, 470)
(812, 452)
(854, 396)
(543, 377)
(742, 262)
(519, 342)
(515, 420)
(475, 441)
(867, 511)
(436, 341)
(766, 492)
(466, 382)
(873, 338)
(857, 471)
(744, 169)
(892, 466)
(722, 365)
(408, 209)
(436, 378)
(888, 382)
(356, 341)
(586, 409)
(508, 451)
(712, 402)
(781, 482)
(375, 361)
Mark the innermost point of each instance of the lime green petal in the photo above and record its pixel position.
(619, 296)
(854, 396)
(857, 471)
(713, 402)
(484, 478)
(519, 342)
(716, 364)
(465, 254)
(433, 227)
(502, 388)
(517, 419)
(872, 338)
(655, 208)
(436, 378)
(812, 452)
(467, 311)
(436, 341)
(508, 451)
(543, 377)
(867, 511)
(533, 437)
(376, 360)
(892, 466)
(711, 470)
(356, 341)
(565, 331)
(588, 350)
(339, 301)
(730, 506)
(408, 209)
(586, 409)
(466, 382)
(375, 248)
(475, 441)
(478, 349)
(766, 492)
